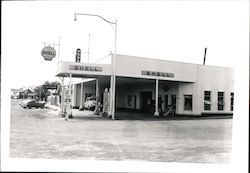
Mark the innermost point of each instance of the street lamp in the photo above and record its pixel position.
(113, 77)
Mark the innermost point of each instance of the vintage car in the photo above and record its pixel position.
(90, 103)
(32, 103)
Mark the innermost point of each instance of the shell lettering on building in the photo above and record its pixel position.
(48, 53)
(85, 68)
(153, 73)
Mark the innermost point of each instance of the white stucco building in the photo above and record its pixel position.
(149, 84)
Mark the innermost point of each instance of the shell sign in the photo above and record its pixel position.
(48, 53)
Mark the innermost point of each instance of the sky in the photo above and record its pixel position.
(170, 30)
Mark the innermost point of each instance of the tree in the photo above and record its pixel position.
(42, 92)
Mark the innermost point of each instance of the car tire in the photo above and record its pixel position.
(29, 107)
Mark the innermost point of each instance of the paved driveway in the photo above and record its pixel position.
(40, 133)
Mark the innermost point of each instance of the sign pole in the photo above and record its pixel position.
(59, 50)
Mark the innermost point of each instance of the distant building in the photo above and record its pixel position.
(23, 93)
(15, 93)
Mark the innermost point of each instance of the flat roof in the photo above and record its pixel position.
(140, 67)
(171, 61)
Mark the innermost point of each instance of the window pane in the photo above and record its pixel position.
(232, 102)
(220, 101)
(207, 100)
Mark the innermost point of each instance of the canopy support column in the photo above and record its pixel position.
(69, 103)
(97, 95)
(81, 97)
(110, 97)
(62, 110)
(156, 97)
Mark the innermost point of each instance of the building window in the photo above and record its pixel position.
(232, 102)
(207, 100)
(220, 101)
(188, 102)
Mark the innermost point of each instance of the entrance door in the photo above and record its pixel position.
(173, 101)
(160, 102)
(166, 102)
(146, 101)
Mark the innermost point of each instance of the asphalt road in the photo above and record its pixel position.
(40, 133)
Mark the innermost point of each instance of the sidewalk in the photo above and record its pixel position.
(53, 107)
(86, 114)
(131, 115)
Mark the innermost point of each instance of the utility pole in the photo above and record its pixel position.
(88, 48)
(58, 50)
(204, 60)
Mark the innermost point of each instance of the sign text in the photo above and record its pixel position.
(154, 73)
(85, 68)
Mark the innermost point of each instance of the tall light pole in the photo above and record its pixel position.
(113, 77)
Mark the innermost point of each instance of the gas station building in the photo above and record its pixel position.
(153, 85)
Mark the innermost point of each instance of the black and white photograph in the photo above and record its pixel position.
(125, 86)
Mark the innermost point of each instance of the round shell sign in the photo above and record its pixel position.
(48, 53)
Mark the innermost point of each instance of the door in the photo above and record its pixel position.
(146, 101)
(166, 102)
(160, 104)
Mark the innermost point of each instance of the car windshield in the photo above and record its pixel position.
(90, 98)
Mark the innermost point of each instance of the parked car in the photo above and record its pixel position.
(32, 103)
(14, 97)
(90, 103)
